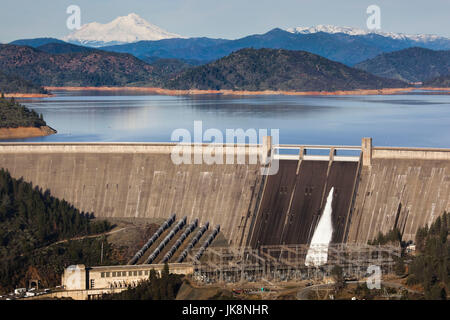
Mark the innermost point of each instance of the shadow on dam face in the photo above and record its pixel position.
(293, 201)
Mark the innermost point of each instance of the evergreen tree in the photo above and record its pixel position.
(431, 266)
(30, 221)
(13, 115)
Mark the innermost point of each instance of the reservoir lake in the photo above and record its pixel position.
(417, 119)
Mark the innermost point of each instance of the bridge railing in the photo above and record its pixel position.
(320, 153)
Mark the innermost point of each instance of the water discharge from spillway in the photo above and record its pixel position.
(318, 250)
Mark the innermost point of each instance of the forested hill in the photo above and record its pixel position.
(15, 84)
(56, 64)
(30, 220)
(411, 65)
(13, 115)
(85, 68)
(275, 69)
(430, 266)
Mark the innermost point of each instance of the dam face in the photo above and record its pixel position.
(401, 188)
(294, 199)
(381, 189)
(138, 181)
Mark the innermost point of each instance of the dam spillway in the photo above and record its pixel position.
(381, 189)
(295, 197)
(323, 233)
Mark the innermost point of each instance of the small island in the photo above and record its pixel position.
(17, 121)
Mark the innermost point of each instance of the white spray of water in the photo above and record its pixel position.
(318, 250)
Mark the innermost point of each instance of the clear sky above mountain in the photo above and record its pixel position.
(225, 18)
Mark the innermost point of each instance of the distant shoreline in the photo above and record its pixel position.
(171, 92)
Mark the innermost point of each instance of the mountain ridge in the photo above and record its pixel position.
(344, 48)
(412, 64)
(245, 69)
(76, 69)
(358, 31)
(36, 42)
(279, 70)
(342, 44)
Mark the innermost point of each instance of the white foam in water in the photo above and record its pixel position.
(318, 250)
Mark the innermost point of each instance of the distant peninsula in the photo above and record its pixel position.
(17, 121)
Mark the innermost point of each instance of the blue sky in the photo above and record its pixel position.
(223, 19)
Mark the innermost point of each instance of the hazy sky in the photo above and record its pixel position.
(223, 19)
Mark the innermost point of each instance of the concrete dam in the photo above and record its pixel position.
(376, 189)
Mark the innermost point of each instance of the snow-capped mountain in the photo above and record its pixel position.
(357, 31)
(127, 29)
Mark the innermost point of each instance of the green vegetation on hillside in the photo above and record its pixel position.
(155, 288)
(431, 266)
(15, 84)
(86, 68)
(57, 64)
(272, 69)
(13, 115)
(411, 65)
(32, 222)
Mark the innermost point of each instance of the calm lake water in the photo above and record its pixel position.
(416, 120)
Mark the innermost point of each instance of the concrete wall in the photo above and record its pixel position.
(404, 188)
(411, 153)
(394, 187)
(138, 180)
